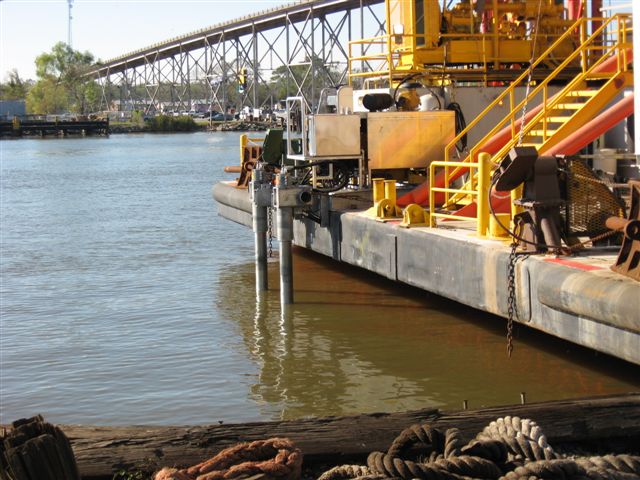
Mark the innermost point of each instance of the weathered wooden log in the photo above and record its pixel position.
(100, 451)
(35, 450)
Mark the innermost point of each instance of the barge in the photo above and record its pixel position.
(502, 214)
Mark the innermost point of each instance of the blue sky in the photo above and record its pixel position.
(106, 28)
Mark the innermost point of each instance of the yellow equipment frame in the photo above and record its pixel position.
(619, 29)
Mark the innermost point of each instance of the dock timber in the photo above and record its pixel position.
(594, 422)
(43, 128)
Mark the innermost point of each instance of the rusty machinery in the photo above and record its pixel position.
(336, 147)
(562, 200)
(540, 223)
(628, 262)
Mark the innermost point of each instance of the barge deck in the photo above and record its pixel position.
(578, 299)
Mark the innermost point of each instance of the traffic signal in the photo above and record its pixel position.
(242, 80)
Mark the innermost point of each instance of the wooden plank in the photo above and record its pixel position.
(100, 451)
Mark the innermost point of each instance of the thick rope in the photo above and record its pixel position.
(276, 458)
(394, 467)
(509, 448)
(523, 437)
(609, 467)
(429, 438)
(344, 472)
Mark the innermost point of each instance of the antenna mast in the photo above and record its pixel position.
(70, 2)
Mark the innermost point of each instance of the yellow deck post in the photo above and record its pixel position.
(390, 191)
(484, 196)
(378, 189)
(516, 194)
(244, 138)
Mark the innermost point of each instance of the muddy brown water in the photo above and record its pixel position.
(125, 299)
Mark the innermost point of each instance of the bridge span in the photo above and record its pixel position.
(255, 61)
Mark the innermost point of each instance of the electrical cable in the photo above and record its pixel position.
(494, 180)
(461, 124)
(405, 79)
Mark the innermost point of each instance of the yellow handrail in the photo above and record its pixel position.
(475, 186)
(571, 86)
(581, 26)
(390, 56)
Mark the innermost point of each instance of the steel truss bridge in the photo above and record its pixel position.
(254, 61)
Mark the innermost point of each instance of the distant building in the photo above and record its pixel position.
(12, 108)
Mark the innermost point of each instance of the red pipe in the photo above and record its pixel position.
(594, 128)
(420, 194)
(570, 145)
(501, 204)
(574, 8)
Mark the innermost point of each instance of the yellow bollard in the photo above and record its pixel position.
(414, 216)
(495, 230)
(484, 196)
(516, 194)
(378, 189)
(390, 191)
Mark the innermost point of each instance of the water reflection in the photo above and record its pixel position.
(354, 342)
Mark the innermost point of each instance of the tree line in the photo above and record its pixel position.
(63, 85)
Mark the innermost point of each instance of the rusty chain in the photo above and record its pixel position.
(512, 308)
(270, 231)
(511, 286)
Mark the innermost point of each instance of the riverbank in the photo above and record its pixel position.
(80, 129)
(232, 126)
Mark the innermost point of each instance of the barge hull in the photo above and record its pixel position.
(581, 302)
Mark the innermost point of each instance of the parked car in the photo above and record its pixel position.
(220, 117)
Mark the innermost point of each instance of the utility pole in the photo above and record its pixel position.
(70, 2)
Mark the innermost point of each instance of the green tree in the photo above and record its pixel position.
(47, 96)
(284, 81)
(14, 87)
(63, 69)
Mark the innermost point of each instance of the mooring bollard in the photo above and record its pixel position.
(261, 201)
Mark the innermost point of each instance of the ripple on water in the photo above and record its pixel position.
(125, 299)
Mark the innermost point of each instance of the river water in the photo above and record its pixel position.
(125, 299)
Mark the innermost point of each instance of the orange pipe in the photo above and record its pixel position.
(420, 194)
(570, 145)
(501, 204)
(594, 128)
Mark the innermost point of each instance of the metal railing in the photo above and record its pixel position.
(387, 60)
(617, 26)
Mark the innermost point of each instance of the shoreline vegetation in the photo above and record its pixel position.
(158, 124)
(169, 124)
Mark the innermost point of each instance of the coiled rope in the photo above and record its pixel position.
(509, 448)
(276, 458)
